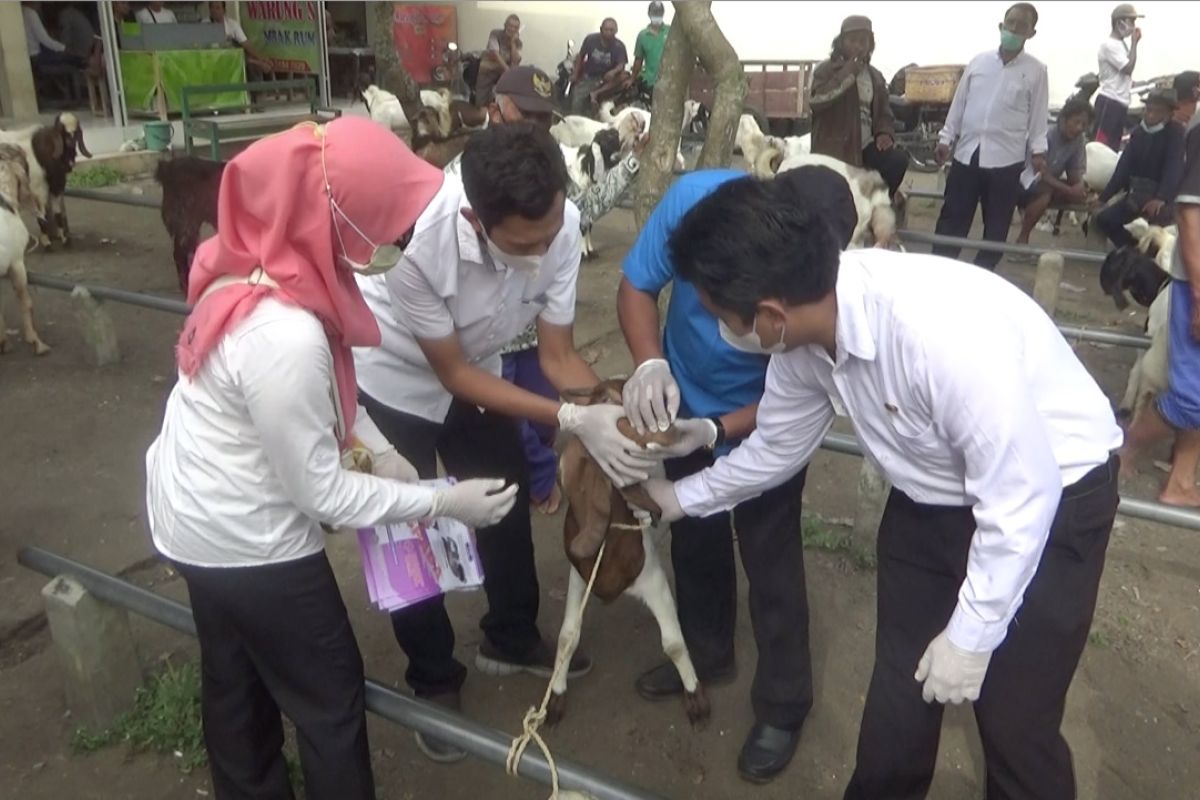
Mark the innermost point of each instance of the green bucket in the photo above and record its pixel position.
(158, 135)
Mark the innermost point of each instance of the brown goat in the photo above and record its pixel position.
(630, 563)
(190, 187)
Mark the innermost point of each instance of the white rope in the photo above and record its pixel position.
(536, 715)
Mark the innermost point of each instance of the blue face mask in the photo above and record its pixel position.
(1011, 42)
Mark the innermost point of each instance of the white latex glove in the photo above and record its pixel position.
(693, 434)
(662, 492)
(390, 464)
(478, 503)
(596, 426)
(949, 673)
(651, 396)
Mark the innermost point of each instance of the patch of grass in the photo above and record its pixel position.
(1098, 639)
(819, 536)
(165, 719)
(94, 178)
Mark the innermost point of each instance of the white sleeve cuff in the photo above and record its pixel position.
(968, 632)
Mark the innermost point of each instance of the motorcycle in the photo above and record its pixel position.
(566, 73)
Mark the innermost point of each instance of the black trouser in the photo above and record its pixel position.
(1110, 122)
(768, 536)
(1113, 219)
(922, 564)
(276, 637)
(472, 444)
(892, 164)
(969, 185)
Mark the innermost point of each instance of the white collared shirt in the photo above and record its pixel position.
(448, 283)
(147, 16)
(961, 391)
(247, 466)
(1001, 109)
(1113, 57)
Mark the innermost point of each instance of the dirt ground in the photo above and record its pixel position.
(72, 480)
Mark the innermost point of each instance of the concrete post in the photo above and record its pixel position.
(873, 491)
(99, 333)
(1045, 285)
(18, 97)
(96, 649)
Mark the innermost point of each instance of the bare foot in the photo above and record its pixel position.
(1188, 497)
(550, 505)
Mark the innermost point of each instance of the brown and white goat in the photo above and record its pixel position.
(876, 211)
(631, 564)
(14, 236)
(51, 151)
(190, 187)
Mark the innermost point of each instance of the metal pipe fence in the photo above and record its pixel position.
(924, 237)
(1129, 507)
(479, 740)
(142, 299)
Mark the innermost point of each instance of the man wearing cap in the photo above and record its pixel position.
(524, 94)
(1187, 93)
(1117, 61)
(503, 51)
(1177, 410)
(1148, 172)
(998, 116)
(852, 113)
(648, 49)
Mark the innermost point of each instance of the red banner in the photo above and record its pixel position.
(421, 32)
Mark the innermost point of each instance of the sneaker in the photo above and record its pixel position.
(435, 749)
(540, 662)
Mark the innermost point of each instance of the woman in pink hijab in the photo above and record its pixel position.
(249, 465)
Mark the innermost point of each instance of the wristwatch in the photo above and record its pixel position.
(720, 440)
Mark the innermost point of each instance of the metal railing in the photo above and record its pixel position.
(110, 293)
(1129, 507)
(479, 740)
(923, 237)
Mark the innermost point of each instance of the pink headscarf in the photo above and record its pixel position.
(273, 211)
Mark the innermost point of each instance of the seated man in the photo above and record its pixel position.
(1066, 160)
(1148, 172)
(256, 65)
(44, 50)
(599, 68)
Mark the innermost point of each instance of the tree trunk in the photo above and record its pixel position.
(694, 33)
(390, 73)
(719, 60)
(666, 121)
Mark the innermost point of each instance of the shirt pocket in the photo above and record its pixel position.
(1015, 97)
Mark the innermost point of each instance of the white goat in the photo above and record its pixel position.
(1148, 375)
(385, 108)
(50, 152)
(1101, 163)
(576, 131)
(690, 109)
(14, 236)
(870, 192)
(587, 165)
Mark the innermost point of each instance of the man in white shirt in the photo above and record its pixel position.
(234, 34)
(999, 114)
(490, 254)
(1117, 61)
(44, 50)
(155, 14)
(997, 441)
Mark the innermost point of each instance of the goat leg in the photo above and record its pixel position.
(652, 588)
(568, 641)
(60, 219)
(48, 229)
(184, 249)
(20, 283)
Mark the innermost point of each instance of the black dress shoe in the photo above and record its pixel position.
(766, 752)
(663, 681)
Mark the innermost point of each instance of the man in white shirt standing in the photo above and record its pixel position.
(490, 254)
(999, 114)
(1117, 61)
(998, 444)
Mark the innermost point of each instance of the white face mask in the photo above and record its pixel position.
(750, 342)
(528, 264)
(656, 20)
(1153, 128)
(1125, 29)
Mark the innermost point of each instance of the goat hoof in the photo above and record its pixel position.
(44, 241)
(556, 708)
(40, 348)
(697, 706)
(4, 345)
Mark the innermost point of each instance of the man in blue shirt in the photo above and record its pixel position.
(714, 389)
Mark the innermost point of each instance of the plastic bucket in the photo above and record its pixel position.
(158, 135)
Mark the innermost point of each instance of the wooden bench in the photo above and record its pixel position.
(249, 124)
